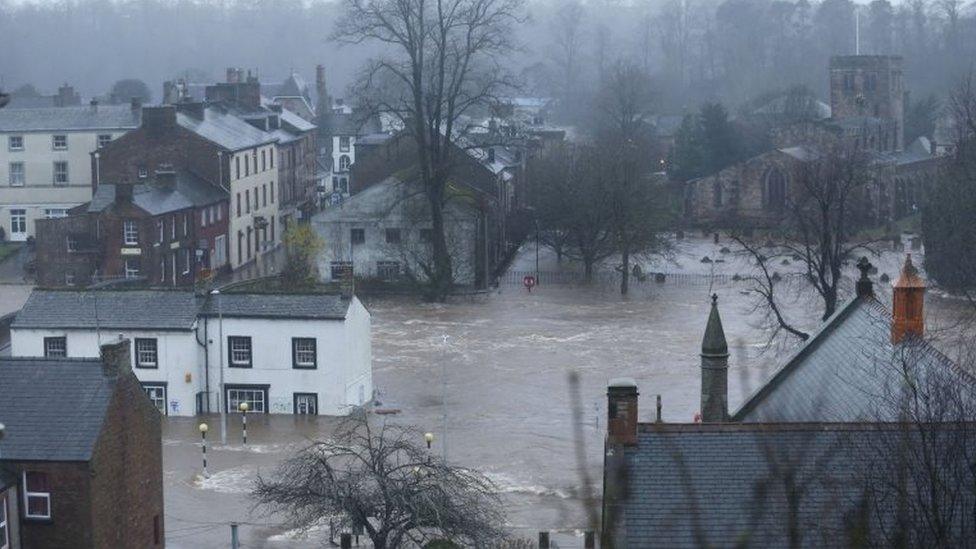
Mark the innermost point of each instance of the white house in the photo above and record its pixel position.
(45, 159)
(384, 232)
(281, 353)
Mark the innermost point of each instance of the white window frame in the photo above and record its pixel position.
(55, 213)
(220, 250)
(130, 232)
(21, 172)
(4, 523)
(131, 272)
(147, 352)
(104, 139)
(59, 177)
(55, 139)
(69, 278)
(10, 143)
(149, 388)
(160, 228)
(249, 395)
(62, 353)
(29, 494)
(18, 217)
(172, 229)
(186, 225)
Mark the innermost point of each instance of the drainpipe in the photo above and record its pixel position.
(206, 360)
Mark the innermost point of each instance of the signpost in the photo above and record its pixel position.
(529, 282)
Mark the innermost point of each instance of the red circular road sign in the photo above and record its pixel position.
(528, 281)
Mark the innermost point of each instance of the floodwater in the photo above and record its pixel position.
(489, 377)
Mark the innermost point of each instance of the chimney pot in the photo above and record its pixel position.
(622, 411)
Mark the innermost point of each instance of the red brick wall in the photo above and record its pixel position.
(71, 507)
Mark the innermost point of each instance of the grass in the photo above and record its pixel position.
(8, 249)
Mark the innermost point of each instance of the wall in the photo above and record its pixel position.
(250, 183)
(179, 355)
(343, 359)
(71, 523)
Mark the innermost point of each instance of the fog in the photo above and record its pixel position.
(696, 50)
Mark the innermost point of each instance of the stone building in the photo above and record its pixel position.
(170, 229)
(867, 112)
(792, 463)
(81, 458)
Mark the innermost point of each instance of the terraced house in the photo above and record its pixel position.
(45, 159)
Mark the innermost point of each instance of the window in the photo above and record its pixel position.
(388, 270)
(131, 268)
(427, 235)
(239, 351)
(272, 191)
(143, 172)
(247, 201)
(256, 397)
(15, 143)
(69, 278)
(146, 353)
(344, 143)
(60, 173)
(186, 225)
(264, 195)
(220, 211)
(344, 163)
(264, 162)
(237, 167)
(72, 243)
(60, 142)
(55, 213)
(157, 394)
(17, 174)
(238, 204)
(303, 354)
(272, 158)
(247, 167)
(160, 230)
(55, 347)
(130, 232)
(220, 250)
(340, 269)
(186, 261)
(172, 228)
(306, 404)
(37, 495)
(4, 524)
(393, 236)
(254, 158)
(204, 214)
(358, 236)
(775, 190)
(272, 228)
(104, 139)
(18, 221)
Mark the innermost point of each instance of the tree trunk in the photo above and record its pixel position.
(587, 270)
(625, 274)
(443, 277)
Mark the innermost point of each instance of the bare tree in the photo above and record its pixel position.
(823, 215)
(382, 479)
(443, 61)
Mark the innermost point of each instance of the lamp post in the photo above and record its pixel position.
(428, 438)
(3, 428)
(220, 349)
(243, 409)
(203, 439)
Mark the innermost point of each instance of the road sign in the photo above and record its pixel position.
(529, 282)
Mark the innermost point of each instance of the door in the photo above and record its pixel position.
(18, 225)
(306, 404)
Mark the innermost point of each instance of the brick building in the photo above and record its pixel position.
(82, 454)
(168, 230)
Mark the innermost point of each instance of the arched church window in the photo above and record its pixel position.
(774, 186)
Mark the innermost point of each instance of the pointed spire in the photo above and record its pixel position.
(714, 344)
(909, 277)
(908, 304)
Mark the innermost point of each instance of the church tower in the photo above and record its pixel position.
(869, 86)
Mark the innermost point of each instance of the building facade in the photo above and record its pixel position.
(45, 159)
(281, 353)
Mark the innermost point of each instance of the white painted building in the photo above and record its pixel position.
(45, 159)
(384, 232)
(281, 353)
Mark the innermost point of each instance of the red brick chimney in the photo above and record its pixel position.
(908, 304)
(622, 412)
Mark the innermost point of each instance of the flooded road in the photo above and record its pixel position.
(498, 368)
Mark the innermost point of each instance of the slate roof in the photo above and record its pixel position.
(108, 309)
(224, 128)
(53, 409)
(281, 306)
(185, 190)
(847, 371)
(721, 485)
(105, 117)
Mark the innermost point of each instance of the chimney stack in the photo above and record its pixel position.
(715, 369)
(865, 288)
(94, 105)
(232, 75)
(136, 104)
(622, 411)
(908, 304)
(116, 358)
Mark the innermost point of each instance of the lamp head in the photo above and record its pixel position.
(243, 407)
(429, 437)
(203, 428)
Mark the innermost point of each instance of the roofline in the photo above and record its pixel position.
(86, 129)
(15, 326)
(95, 360)
(808, 346)
(270, 316)
(808, 426)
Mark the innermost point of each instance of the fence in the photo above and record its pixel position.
(605, 277)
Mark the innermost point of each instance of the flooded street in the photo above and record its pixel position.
(503, 361)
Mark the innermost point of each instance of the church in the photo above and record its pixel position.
(867, 111)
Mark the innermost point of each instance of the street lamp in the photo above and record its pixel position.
(3, 428)
(243, 409)
(220, 349)
(203, 438)
(428, 437)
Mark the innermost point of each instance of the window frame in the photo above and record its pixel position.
(22, 173)
(55, 173)
(54, 339)
(157, 385)
(28, 494)
(262, 388)
(231, 363)
(10, 143)
(154, 365)
(103, 139)
(294, 403)
(131, 272)
(295, 364)
(130, 232)
(357, 231)
(54, 141)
